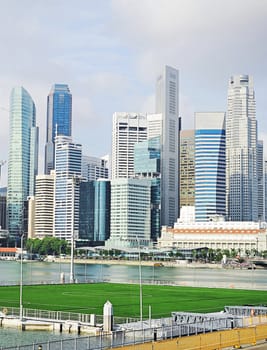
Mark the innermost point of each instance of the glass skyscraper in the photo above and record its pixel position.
(68, 163)
(209, 165)
(147, 165)
(59, 120)
(241, 151)
(23, 158)
(167, 104)
(102, 210)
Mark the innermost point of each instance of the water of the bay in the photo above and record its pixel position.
(46, 272)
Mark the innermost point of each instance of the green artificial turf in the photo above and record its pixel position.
(90, 298)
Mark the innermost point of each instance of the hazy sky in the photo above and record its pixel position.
(110, 53)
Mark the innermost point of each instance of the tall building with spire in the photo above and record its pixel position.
(167, 104)
(241, 150)
(59, 121)
(23, 159)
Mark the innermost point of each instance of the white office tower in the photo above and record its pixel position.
(260, 172)
(68, 160)
(127, 130)
(94, 168)
(130, 213)
(241, 151)
(167, 104)
(44, 205)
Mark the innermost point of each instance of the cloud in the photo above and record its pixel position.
(111, 51)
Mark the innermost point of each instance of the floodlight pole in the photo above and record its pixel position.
(21, 279)
(72, 232)
(140, 280)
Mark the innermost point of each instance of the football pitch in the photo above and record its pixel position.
(125, 298)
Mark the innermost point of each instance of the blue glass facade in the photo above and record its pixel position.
(22, 161)
(94, 211)
(210, 185)
(59, 120)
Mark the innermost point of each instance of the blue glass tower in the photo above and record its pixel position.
(210, 180)
(59, 120)
(23, 158)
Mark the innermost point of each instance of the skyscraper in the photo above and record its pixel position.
(44, 205)
(187, 168)
(102, 210)
(23, 158)
(147, 166)
(128, 129)
(130, 212)
(167, 103)
(241, 151)
(209, 165)
(67, 188)
(59, 120)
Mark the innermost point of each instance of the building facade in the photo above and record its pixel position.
(130, 212)
(59, 121)
(23, 159)
(68, 163)
(187, 168)
(102, 210)
(128, 129)
(241, 151)
(167, 104)
(147, 166)
(3, 193)
(261, 184)
(44, 205)
(209, 165)
(94, 168)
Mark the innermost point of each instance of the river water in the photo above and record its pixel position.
(46, 272)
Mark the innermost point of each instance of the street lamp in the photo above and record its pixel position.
(76, 179)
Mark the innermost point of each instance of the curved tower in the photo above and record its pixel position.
(23, 158)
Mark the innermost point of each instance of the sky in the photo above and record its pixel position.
(110, 53)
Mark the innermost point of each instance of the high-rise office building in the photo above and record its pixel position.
(209, 165)
(241, 151)
(147, 166)
(68, 159)
(167, 104)
(23, 158)
(102, 210)
(3, 192)
(59, 120)
(130, 212)
(87, 211)
(44, 205)
(260, 173)
(128, 129)
(187, 168)
(94, 168)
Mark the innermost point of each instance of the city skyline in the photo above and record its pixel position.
(88, 50)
